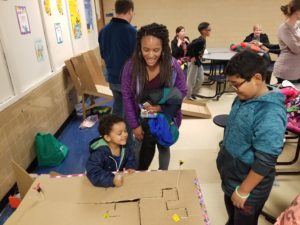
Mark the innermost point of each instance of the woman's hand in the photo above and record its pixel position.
(138, 133)
(186, 40)
(152, 108)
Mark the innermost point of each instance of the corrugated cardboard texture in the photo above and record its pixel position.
(146, 198)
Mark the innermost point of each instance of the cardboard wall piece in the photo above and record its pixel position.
(87, 80)
(195, 109)
(24, 180)
(146, 198)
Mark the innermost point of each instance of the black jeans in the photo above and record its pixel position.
(148, 150)
(247, 216)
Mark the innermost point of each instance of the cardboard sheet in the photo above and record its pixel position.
(146, 198)
(195, 109)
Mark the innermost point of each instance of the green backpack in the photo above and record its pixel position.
(49, 151)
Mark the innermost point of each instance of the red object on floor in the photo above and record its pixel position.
(14, 201)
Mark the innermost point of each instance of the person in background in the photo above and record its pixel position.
(196, 50)
(179, 47)
(151, 67)
(117, 41)
(287, 65)
(258, 38)
(253, 139)
(109, 153)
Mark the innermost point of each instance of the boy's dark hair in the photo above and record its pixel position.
(245, 64)
(106, 123)
(123, 6)
(203, 26)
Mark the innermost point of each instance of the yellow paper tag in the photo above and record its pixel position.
(175, 217)
(105, 215)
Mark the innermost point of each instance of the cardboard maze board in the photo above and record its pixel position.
(146, 198)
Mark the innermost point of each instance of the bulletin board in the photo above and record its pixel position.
(55, 20)
(24, 44)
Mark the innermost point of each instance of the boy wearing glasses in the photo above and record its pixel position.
(253, 139)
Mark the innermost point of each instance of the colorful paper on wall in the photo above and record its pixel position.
(59, 7)
(88, 15)
(39, 50)
(47, 6)
(75, 19)
(23, 19)
(58, 32)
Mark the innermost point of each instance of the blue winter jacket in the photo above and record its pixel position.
(253, 139)
(117, 41)
(101, 163)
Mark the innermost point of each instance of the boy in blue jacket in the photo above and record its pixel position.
(253, 139)
(109, 153)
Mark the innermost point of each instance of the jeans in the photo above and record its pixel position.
(247, 216)
(117, 98)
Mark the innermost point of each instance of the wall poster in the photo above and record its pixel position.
(39, 50)
(88, 15)
(23, 19)
(75, 19)
(58, 33)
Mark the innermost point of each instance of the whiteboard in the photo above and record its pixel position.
(56, 27)
(6, 90)
(26, 54)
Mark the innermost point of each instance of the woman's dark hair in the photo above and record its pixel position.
(202, 26)
(140, 74)
(290, 8)
(123, 6)
(178, 29)
(106, 123)
(246, 64)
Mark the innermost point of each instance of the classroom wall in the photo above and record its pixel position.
(43, 109)
(231, 20)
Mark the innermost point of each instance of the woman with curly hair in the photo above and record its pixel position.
(151, 67)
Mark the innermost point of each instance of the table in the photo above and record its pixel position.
(219, 58)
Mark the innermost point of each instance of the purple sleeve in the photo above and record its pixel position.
(130, 106)
(180, 83)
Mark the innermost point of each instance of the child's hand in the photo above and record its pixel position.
(130, 171)
(238, 201)
(118, 180)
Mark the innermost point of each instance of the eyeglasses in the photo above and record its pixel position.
(237, 86)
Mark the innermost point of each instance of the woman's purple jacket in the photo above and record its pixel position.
(129, 93)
